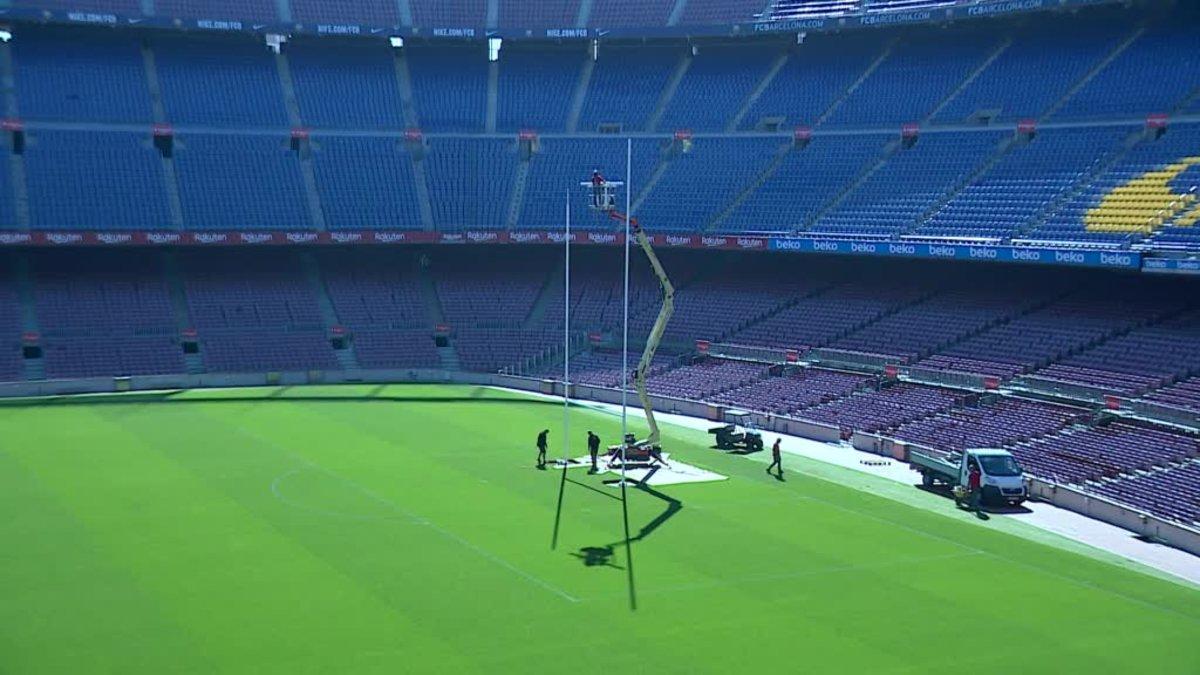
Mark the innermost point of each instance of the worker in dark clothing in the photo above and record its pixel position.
(593, 449)
(974, 487)
(598, 189)
(541, 446)
(776, 460)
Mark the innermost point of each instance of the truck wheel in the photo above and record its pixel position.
(926, 480)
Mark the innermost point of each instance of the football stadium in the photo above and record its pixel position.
(664, 336)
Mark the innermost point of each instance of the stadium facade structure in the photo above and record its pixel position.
(1070, 139)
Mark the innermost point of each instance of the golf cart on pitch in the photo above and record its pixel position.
(739, 435)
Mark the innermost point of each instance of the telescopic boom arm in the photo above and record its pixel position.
(660, 324)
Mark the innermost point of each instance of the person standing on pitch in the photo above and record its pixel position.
(541, 446)
(593, 449)
(776, 460)
(974, 489)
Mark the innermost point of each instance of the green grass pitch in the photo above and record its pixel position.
(404, 529)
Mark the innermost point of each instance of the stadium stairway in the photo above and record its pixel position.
(517, 199)
(537, 312)
(1096, 70)
(1143, 204)
(750, 189)
(974, 75)
(16, 162)
(170, 176)
(580, 94)
(312, 196)
(347, 356)
(769, 77)
(193, 363)
(871, 68)
(980, 171)
(1052, 209)
(888, 151)
(668, 92)
(35, 369)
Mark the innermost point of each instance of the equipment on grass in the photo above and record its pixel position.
(603, 200)
(739, 434)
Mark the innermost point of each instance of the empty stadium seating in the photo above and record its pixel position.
(105, 180)
(350, 84)
(217, 80)
(384, 197)
(74, 74)
(230, 182)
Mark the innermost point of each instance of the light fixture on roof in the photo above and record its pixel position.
(275, 42)
(494, 45)
(5, 34)
(396, 41)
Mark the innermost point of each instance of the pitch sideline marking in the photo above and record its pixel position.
(1086, 584)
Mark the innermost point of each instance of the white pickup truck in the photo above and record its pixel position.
(1001, 479)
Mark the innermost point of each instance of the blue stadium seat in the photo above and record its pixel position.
(384, 197)
(450, 86)
(80, 75)
(345, 83)
(235, 182)
(95, 181)
(219, 80)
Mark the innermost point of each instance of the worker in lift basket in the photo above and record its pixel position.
(598, 189)
(974, 485)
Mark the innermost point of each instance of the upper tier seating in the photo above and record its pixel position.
(240, 182)
(450, 86)
(1046, 57)
(1023, 182)
(715, 86)
(218, 80)
(382, 12)
(561, 159)
(804, 181)
(474, 182)
(1136, 82)
(448, 13)
(384, 197)
(1134, 195)
(815, 74)
(626, 84)
(535, 86)
(75, 74)
(893, 198)
(252, 10)
(915, 77)
(95, 180)
(351, 84)
(699, 183)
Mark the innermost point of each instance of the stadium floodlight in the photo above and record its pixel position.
(5, 34)
(396, 41)
(494, 45)
(275, 42)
